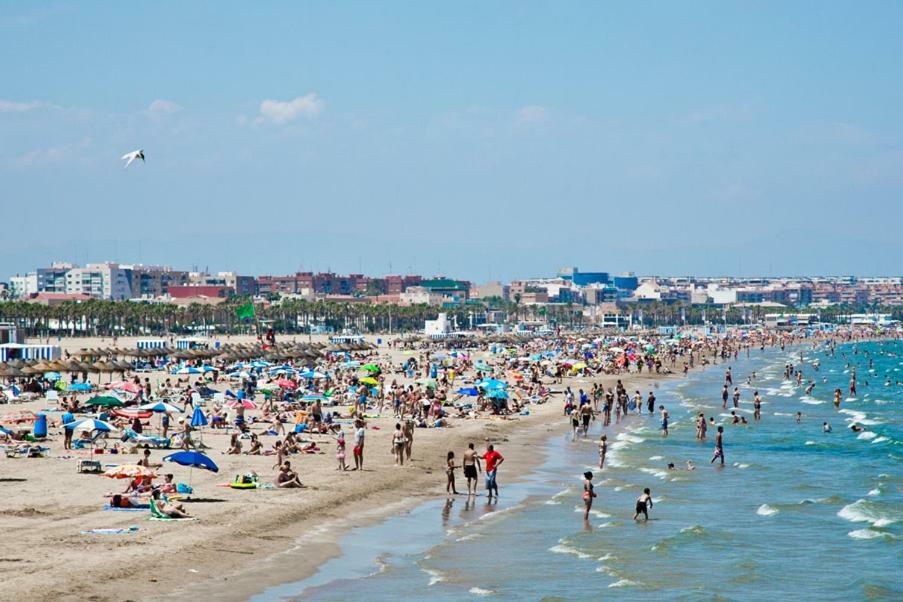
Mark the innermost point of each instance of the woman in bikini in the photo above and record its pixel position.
(398, 444)
(450, 473)
(588, 494)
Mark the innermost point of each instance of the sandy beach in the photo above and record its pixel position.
(239, 535)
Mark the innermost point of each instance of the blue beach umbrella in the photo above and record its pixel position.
(497, 394)
(159, 406)
(313, 374)
(492, 383)
(52, 376)
(314, 398)
(192, 460)
(89, 424)
(198, 418)
(80, 387)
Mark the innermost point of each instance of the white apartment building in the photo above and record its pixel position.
(22, 286)
(99, 280)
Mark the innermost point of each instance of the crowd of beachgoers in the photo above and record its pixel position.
(281, 399)
(332, 423)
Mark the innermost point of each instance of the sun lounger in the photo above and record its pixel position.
(147, 440)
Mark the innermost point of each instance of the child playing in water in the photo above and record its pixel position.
(643, 504)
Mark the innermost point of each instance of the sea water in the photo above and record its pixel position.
(796, 513)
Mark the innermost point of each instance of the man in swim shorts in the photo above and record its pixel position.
(471, 465)
(719, 446)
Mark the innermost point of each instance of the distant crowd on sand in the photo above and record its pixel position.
(286, 400)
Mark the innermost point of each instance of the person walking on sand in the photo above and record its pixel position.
(719, 446)
(471, 466)
(398, 441)
(408, 430)
(603, 449)
(588, 494)
(450, 467)
(493, 460)
(643, 504)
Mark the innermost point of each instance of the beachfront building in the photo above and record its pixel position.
(53, 279)
(99, 281)
(245, 286)
(23, 286)
(457, 291)
(151, 281)
(573, 274)
(490, 290)
(440, 327)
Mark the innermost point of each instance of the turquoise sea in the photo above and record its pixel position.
(796, 513)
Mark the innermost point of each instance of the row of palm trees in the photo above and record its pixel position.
(128, 318)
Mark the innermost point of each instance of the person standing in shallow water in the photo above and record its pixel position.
(588, 494)
(603, 449)
(719, 446)
(471, 466)
(493, 460)
(643, 504)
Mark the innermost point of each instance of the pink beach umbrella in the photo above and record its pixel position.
(245, 403)
(286, 383)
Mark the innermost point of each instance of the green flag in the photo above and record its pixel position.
(245, 311)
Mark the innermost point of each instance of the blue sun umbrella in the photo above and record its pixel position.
(89, 424)
(491, 383)
(80, 387)
(159, 406)
(192, 460)
(313, 374)
(497, 394)
(198, 418)
(314, 398)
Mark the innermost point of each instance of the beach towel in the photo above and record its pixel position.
(109, 508)
(122, 531)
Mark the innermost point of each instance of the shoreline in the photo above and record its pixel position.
(287, 566)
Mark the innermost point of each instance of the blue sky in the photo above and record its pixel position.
(477, 139)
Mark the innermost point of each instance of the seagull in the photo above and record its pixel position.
(129, 157)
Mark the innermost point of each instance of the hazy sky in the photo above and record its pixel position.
(477, 139)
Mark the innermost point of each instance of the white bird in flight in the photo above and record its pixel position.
(129, 157)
